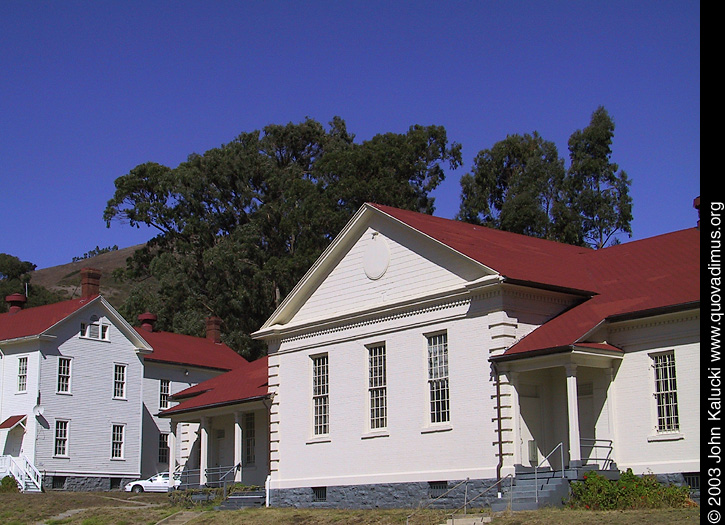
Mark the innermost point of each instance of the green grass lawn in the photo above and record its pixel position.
(121, 508)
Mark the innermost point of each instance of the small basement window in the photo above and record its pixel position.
(58, 482)
(692, 480)
(319, 494)
(436, 489)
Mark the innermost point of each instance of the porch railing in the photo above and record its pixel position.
(215, 476)
(602, 449)
(23, 470)
(560, 446)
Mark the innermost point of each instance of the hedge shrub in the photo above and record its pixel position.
(629, 492)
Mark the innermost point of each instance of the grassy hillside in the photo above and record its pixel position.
(66, 278)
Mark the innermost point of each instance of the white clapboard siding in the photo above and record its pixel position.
(181, 377)
(90, 408)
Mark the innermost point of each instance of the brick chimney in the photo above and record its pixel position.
(16, 302)
(147, 321)
(90, 282)
(696, 204)
(213, 329)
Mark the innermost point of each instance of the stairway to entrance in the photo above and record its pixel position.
(553, 487)
(244, 500)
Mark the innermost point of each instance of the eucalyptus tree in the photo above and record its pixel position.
(239, 225)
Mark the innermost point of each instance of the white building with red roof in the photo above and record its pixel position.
(419, 352)
(81, 391)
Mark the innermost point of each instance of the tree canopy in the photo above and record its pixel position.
(521, 185)
(240, 224)
(15, 278)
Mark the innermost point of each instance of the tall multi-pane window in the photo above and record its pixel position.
(22, 374)
(64, 374)
(438, 378)
(377, 387)
(119, 381)
(61, 438)
(164, 393)
(163, 447)
(668, 419)
(249, 439)
(117, 441)
(320, 395)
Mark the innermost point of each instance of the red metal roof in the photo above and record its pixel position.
(245, 383)
(189, 350)
(514, 256)
(34, 321)
(639, 276)
(12, 421)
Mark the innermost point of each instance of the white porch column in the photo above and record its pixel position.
(171, 442)
(573, 411)
(518, 440)
(203, 449)
(238, 446)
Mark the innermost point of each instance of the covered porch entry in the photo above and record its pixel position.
(230, 445)
(562, 409)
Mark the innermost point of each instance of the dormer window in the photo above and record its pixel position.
(95, 329)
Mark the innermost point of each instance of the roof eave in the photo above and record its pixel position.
(171, 412)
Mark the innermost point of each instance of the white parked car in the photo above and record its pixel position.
(157, 483)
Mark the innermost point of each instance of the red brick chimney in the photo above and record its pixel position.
(213, 329)
(696, 204)
(147, 321)
(16, 302)
(90, 282)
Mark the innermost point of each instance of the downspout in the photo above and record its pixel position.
(500, 431)
(2, 378)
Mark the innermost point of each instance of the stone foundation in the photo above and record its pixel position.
(386, 495)
(84, 483)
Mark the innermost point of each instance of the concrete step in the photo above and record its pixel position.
(468, 520)
(524, 495)
(241, 500)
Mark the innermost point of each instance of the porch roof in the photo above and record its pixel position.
(641, 278)
(245, 383)
(12, 421)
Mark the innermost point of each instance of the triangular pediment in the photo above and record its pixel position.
(376, 262)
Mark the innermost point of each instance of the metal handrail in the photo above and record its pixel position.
(605, 444)
(434, 500)
(560, 446)
(484, 492)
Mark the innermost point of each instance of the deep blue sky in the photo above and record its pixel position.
(90, 89)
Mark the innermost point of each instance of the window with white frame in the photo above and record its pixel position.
(320, 395)
(438, 378)
(95, 329)
(377, 387)
(668, 419)
(22, 374)
(119, 381)
(163, 447)
(249, 439)
(61, 438)
(64, 367)
(117, 434)
(164, 393)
